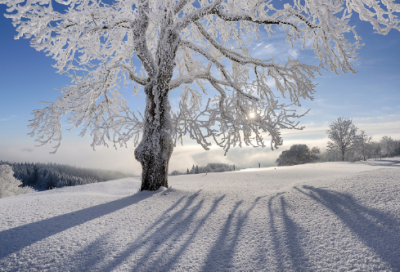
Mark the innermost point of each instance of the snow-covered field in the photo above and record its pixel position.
(315, 217)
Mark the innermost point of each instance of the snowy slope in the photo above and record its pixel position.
(315, 217)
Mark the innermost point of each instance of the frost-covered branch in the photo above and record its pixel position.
(197, 14)
(208, 56)
(180, 5)
(243, 16)
(381, 14)
(140, 26)
(138, 79)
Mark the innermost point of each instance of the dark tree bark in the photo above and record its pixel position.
(155, 149)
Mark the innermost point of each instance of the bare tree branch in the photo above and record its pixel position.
(180, 5)
(139, 27)
(185, 21)
(219, 65)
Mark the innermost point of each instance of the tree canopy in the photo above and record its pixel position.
(342, 134)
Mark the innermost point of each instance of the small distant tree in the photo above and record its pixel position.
(342, 132)
(315, 152)
(298, 154)
(375, 149)
(388, 146)
(196, 171)
(397, 151)
(187, 171)
(362, 145)
(175, 173)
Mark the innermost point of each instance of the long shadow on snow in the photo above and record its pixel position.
(392, 163)
(221, 255)
(173, 257)
(159, 247)
(376, 229)
(152, 247)
(97, 251)
(15, 239)
(288, 252)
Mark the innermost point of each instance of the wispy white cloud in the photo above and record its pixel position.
(323, 103)
(257, 45)
(269, 49)
(8, 118)
(293, 53)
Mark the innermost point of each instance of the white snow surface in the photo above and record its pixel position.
(335, 216)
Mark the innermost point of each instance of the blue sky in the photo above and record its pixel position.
(371, 98)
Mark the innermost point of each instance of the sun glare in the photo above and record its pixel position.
(252, 115)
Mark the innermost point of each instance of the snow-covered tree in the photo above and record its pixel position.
(362, 145)
(175, 173)
(397, 149)
(342, 132)
(315, 151)
(388, 146)
(298, 154)
(376, 149)
(10, 186)
(162, 45)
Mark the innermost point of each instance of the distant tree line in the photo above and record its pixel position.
(346, 144)
(43, 176)
(211, 167)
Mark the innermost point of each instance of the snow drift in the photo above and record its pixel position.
(313, 217)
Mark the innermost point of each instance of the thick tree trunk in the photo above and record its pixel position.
(155, 149)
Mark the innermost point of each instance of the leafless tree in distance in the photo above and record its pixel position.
(342, 134)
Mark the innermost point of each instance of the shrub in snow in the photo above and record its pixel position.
(175, 173)
(9, 186)
(298, 154)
